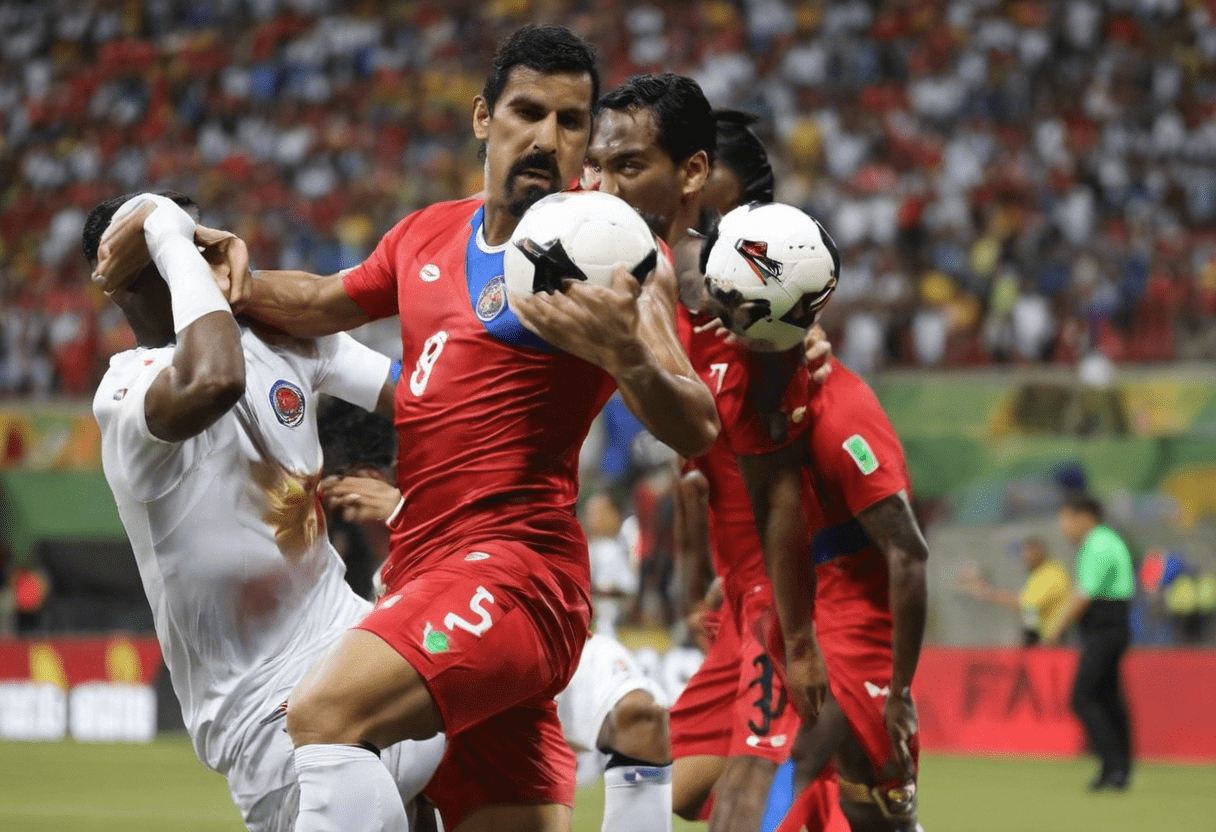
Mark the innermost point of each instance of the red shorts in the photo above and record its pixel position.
(735, 704)
(859, 673)
(495, 634)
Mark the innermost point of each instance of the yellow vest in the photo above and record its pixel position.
(1043, 596)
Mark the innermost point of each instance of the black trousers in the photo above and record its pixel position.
(1097, 695)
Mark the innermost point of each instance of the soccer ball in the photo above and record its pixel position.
(771, 268)
(582, 235)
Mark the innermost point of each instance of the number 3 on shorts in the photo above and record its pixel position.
(453, 621)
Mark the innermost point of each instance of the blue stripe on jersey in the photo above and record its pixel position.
(488, 294)
(846, 538)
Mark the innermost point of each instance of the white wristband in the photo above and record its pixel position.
(191, 285)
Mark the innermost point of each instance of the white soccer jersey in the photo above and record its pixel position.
(230, 541)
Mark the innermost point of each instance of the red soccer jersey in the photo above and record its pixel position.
(489, 419)
(855, 460)
(728, 371)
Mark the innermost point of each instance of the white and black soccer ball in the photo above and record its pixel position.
(580, 235)
(771, 269)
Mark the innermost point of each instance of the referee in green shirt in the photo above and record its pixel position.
(1101, 605)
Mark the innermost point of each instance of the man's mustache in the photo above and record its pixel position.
(534, 161)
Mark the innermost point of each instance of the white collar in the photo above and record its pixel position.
(485, 247)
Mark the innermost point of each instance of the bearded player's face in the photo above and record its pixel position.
(625, 160)
(536, 137)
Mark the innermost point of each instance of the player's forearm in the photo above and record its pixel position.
(909, 610)
(894, 530)
(678, 410)
(302, 304)
(792, 572)
(692, 538)
(782, 526)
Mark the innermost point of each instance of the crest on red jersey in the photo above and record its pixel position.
(492, 299)
(287, 400)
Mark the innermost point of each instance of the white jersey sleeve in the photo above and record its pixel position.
(352, 372)
(154, 466)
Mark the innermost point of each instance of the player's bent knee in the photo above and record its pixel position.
(384, 703)
(638, 727)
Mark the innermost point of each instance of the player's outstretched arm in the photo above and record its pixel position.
(301, 304)
(207, 376)
(774, 483)
(894, 530)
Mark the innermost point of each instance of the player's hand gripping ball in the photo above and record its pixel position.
(769, 270)
(582, 235)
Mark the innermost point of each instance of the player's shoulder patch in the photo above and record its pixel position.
(857, 447)
(287, 401)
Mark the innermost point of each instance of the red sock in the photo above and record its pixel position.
(817, 808)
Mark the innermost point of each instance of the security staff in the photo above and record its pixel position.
(1043, 597)
(1101, 604)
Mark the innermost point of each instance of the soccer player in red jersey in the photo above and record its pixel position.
(487, 608)
(831, 471)
(653, 146)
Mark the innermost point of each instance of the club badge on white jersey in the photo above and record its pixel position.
(288, 402)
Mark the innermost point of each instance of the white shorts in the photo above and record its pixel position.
(606, 672)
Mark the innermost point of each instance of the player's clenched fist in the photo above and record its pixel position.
(596, 323)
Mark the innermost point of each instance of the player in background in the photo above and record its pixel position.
(610, 705)
(487, 608)
(209, 443)
(654, 147)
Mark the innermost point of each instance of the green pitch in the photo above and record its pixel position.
(69, 787)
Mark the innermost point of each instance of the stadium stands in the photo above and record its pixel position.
(1009, 182)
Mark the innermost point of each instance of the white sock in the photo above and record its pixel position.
(637, 798)
(344, 788)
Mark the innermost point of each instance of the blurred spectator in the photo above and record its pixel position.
(999, 194)
(1182, 594)
(614, 574)
(1042, 597)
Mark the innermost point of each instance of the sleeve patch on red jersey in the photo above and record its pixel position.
(857, 447)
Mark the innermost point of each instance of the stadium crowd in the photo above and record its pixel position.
(1008, 181)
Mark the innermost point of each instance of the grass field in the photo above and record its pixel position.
(69, 787)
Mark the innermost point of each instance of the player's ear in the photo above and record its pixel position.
(481, 118)
(696, 171)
